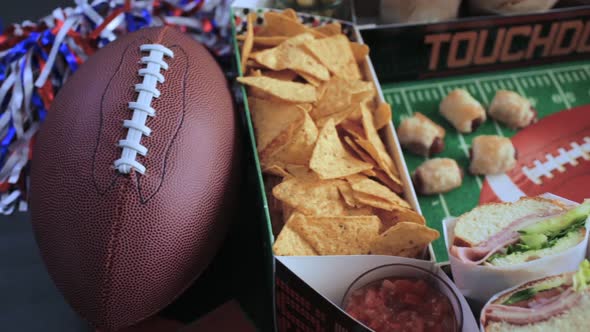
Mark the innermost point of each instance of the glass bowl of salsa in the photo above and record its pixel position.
(403, 297)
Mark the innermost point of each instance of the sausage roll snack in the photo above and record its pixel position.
(421, 135)
(512, 109)
(492, 154)
(438, 175)
(462, 111)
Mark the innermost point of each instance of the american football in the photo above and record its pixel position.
(133, 176)
(553, 157)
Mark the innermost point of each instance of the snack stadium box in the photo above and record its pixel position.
(542, 56)
(307, 291)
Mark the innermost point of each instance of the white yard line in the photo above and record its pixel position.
(559, 89)
(499, 76)
(405, 101)
(388, 99)
(576, 76)
(518, 87)
(443, 202)
(487, 102)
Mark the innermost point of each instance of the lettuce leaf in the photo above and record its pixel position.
(582, 277)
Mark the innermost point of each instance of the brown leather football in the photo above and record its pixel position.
(132, 179)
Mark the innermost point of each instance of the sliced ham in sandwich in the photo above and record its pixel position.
(559, 303)
(512, 233)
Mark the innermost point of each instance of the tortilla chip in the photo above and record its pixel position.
(374, 201)
(251, 64)
(392, 218)
(330, 29)
(276, 170)
(361, 211)
(337, 118)
(329, 158)
(299, 149)
(286, 91)
(302, 172)
(290, 13)
(338, 235)
(404, 239)
(257, 93)
(335, 53)
(287, 212)
(375, 147)
(311, 197)
(255, 72)
(274, 123)
(353, 129)
(283, 75)
(359, 51)
(310, 79)
(360, 152)
(347, 194)
(290, 243)
(364, 185)
(248, 42)
(386, 180)
(289, 55)
(382, 116)
(337, 95)
(277, 24)
(369, 172)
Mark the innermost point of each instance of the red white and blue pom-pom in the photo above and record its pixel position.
(37, 58)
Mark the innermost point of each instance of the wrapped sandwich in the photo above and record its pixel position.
(500, 245)
(514, 233)
(556, 303)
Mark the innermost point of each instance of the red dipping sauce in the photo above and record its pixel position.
(400, 305)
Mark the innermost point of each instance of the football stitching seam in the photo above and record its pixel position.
(147, 91)
(101, 124)
(169, 148)
(556, 163)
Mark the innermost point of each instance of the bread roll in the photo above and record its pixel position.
(512, 110)
(492, 154)
(438, 175)
(421, 135)
(462, 111)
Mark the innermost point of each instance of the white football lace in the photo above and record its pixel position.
(556, 163)
(141, 107)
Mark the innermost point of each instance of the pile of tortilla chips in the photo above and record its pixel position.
(316, 122)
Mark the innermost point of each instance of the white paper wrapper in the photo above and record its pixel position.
(496, 296)
(479, 283)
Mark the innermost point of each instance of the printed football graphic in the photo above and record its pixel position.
(553, 156)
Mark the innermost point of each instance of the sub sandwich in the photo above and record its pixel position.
(557, 303)
(505, 234)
